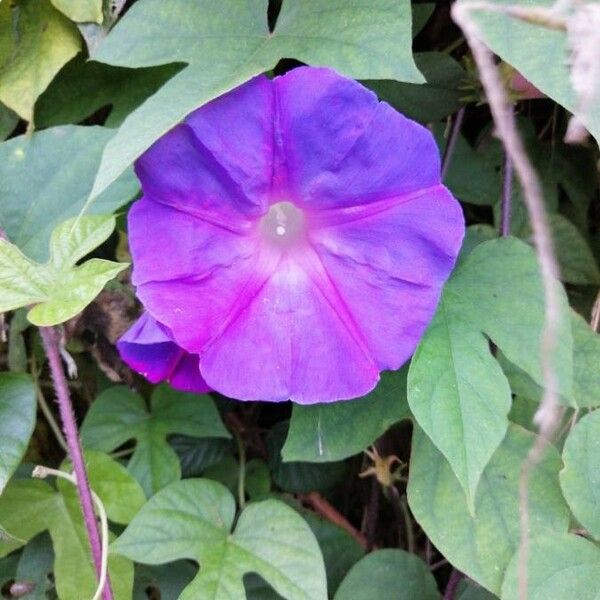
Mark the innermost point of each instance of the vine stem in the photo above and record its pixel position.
(452, 586)
(54, 427)
(42, 472)
(323, 508)
(50, 342)
(452, 139)
(506, 201)
(547, 416)
(242, 469)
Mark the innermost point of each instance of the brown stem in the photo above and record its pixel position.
(327, 511)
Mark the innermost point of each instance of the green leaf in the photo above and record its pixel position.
(427, 102)
(459, 395)
(37, 40)
(121, 494)
(586, 369)
(169, 579)
(386, 574)
(73, 239)
(580, 478)
(559, 566)
(329, 432)
(8, 569)
(363, 39)
(420, 15)
(17, 420)
(119, 415)
(59, 289)
(193, 519)
(198, 454)
(83, 87)
(17, 352)
(35, 565)
(300, 477)
(482, 544)
(81, 11)
(227, 472)
(475, 235)
(469, 590)
(29, 507)
(575, 259)
(474, 174)
(573, 253)
(8, 121)
(539, 53)
(46, 178)
(456, 389)
(340, 550)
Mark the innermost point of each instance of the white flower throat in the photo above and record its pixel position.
(283, 224)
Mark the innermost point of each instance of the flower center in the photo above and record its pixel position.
(283, 224)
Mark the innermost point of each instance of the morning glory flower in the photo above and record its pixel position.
(148, 348)
(294, 237)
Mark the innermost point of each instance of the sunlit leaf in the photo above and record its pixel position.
(58, 290)
(35, 42)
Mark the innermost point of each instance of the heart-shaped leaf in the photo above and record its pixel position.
(456, 388)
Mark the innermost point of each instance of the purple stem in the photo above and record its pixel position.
(452, 585)
(51, 346)
(506, 202)
(454, 131)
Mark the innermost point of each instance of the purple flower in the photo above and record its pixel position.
(149, 349)
(293, 235)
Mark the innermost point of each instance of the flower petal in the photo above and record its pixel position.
(148, 349)
(389, 267)
(289, 342)
(196, 309)
(167, 243)
(219, 161)
(342, 147)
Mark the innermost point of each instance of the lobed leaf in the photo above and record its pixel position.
(58, 290)
(193, 519)
(30, 507)
(119, 415)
